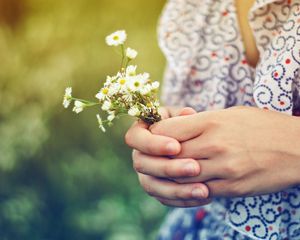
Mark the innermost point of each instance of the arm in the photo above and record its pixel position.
(242, 151)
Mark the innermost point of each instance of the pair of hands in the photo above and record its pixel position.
(189, 158)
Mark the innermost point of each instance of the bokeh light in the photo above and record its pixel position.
(60, 176)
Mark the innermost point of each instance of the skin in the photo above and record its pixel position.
(236, 152)
(189, 158)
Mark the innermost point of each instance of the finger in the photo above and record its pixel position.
(201, 147)
(164, 167)
(164, 112)
(170, 190)
(187, 111)
(175, 111)
(210, 169)
(183, 204)
(140, 138)
(195, 148)
(181, 128)
(220, 188)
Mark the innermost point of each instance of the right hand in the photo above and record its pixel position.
(152, 163)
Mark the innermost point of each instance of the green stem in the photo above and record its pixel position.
(123, 56)
(88, 103)
(128, 60)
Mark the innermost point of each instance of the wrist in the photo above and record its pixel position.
(293, 150)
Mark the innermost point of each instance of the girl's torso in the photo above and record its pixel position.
(211, 54)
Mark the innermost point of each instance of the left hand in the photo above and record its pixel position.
(242, 151)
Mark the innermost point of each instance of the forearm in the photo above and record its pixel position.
(290, 149)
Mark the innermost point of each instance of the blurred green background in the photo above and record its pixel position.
(60, 176)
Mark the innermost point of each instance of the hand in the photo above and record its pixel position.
(157, 149)
(242, 151)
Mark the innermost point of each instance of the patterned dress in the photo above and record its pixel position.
(207, 69)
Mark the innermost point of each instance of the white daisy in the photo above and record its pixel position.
(127, 97)
(134, 111)
(106, 105)
(100, 123)
(122, 81)
(146, 89)
(67, 97)
(117, 38)
(113, 89)
(78, 106)
(144, 77)
(131, 70)
(135, 84)
(131, 53)
(155, 85)
(102, 94)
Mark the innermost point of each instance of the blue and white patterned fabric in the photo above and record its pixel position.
(207, 69)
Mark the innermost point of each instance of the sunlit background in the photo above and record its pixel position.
(60, 176)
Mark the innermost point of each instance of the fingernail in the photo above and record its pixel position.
(190, 169)
(197, 193)
(171, 147)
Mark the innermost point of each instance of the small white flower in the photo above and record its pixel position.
(67, 97)
(113, 89)
(155, 85)
(122, 81)
(108, 81)
(127, 97)
(146, 89)
(102, 94)
(106, 106)
(111, 116)
(131, 53)
(131, 70)
(144, 78)
(134, 111)
(135, 84)
(78, 106)
(100, 123)
(117, 38)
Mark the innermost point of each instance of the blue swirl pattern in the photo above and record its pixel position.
(207, 70)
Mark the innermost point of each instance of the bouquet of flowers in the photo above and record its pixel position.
(126, 93)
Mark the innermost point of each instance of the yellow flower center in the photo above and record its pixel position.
(116, 38)
(105, 91)
(122, 81)
(136, 84)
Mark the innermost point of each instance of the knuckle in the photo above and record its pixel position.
(235, 189)
(231, 169)
(150, 148)
(213, 122)
(156, 129)
(179, 194)
(135, 154)
(137, 164)
(216, 146)
(128, 138)
(155, 148)
(146, 186)
(167, 171)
